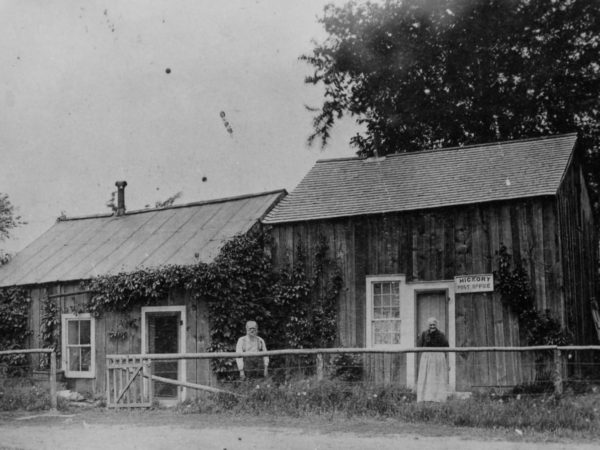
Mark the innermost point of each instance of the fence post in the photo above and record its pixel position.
(558, 386)
(319, 366)
(53, 400)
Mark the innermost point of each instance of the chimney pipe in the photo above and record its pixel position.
(120, 197)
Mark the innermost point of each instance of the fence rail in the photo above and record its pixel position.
(553, 366)
(52, 381)
(323, 351)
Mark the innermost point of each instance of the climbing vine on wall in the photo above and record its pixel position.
(123, 291)
(295, 307)
(539, 327)
(236, 287)
(308, 298)
(49, 329)
(14, 308)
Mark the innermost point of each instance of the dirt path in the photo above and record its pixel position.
(170, 431)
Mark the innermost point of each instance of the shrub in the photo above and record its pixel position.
(14, 307)
(19, 396)
(347, 367)
(534, 388)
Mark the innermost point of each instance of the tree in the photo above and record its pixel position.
(420, 74)
(8, 221)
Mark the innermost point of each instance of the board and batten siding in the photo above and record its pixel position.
(438, 244)
(197, 333)
(578, 237)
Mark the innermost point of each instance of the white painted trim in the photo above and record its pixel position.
(369, 313)
(64, 354)
(181, 365)
(408, 299)
(437, 285)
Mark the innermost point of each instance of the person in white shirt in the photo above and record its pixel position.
(252, 367)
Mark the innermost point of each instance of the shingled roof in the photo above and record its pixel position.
(81, 248)
(428, 179)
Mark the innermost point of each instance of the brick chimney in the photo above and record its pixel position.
(120, 197)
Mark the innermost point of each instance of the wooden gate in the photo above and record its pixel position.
(127, 384)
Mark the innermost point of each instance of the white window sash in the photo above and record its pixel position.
(371, 320)
(91, 373)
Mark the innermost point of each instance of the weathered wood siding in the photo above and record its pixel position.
(578, 237)
(197, 334)
(437, 245)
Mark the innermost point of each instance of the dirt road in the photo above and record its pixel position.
(164, 430)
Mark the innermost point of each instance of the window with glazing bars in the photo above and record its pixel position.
(385, 313)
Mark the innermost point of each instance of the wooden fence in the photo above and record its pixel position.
(52, 353)
(557, 360)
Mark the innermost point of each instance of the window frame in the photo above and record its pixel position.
(65, 319)
(371, 280)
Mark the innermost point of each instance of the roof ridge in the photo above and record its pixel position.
(185, 205)
(443, 149)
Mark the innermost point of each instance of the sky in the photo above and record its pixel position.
(162, 94)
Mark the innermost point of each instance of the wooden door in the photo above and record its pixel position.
(163, 337)
(431, 304)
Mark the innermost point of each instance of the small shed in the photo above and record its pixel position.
(77, 249)
(404, 226)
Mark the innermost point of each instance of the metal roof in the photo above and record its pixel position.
(428, 179)
(81, 248)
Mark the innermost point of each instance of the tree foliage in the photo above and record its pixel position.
(420, 74)
(8, 221)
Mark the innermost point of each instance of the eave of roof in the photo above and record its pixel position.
(79, 248)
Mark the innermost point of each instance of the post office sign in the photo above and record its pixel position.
(464, 284)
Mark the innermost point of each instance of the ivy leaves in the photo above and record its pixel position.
(513, 284)
(14, 309)
(123, 291)
(539, 327)
(308, 297)
(295, 307)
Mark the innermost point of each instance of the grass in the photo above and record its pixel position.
(19, 395)
(544, 413)
(518, 410)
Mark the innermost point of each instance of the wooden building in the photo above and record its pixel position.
(80, 248)
(404, 226)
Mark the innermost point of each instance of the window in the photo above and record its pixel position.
(383, 313)
(78, 346)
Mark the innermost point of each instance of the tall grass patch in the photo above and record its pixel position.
(334, 398)
(19, 395)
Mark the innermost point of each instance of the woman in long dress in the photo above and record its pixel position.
(432, 383)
